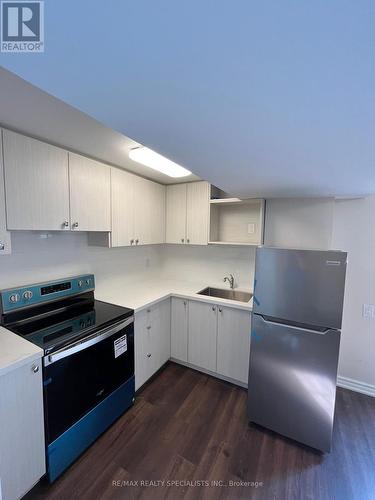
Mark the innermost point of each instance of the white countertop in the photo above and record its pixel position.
(15, 351)
(145, 293)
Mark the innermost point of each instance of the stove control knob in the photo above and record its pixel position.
(14, 298)
(80, 283)
(88, 281)
(27, 295)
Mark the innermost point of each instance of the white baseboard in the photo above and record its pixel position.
(344, 382)
(356, 385)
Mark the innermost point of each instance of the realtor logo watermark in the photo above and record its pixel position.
(22, 26)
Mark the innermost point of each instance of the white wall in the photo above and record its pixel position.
(35, 259)
(299, 223)
(354, 231)
(67, 254)
(342, 225)
(209, 264)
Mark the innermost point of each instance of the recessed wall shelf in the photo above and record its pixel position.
(234, 221)
(218, 201)
(233, 243)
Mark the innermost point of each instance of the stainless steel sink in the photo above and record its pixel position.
(226, 294)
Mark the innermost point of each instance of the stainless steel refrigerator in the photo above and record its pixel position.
(295, 340)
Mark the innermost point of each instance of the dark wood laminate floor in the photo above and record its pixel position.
(186, 426)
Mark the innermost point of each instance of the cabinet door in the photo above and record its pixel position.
(179, 329)
(142, 211)
(5, 243)
(197, 213)
(176, 214)
(142, 347)
(123, 185)
(152, 340)
(160, 333)
(157, 213)
(202, 335)
(233, 343)
(36, 184)
(90, 194)
(22, 448)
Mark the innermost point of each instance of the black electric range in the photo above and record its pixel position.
(57, 324)
(88, 362)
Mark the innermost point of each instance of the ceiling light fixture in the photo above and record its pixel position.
(147, 157)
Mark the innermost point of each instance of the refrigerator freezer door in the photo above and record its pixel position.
(300, 286)
(292, 381)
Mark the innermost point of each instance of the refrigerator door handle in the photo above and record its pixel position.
(293, 327)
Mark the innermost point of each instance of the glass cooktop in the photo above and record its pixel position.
(61, 326)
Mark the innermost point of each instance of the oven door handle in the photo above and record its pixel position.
(87, 342)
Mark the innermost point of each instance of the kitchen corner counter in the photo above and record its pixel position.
(16, 351)
(147, 293)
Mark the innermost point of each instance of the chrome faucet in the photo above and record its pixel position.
(230, 280)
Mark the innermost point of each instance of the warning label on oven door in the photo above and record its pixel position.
(120, 345)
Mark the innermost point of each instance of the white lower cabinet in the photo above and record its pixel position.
(233, 343)
(22, 452)
(202, 339)
(179, 329)
(152, 338)
(211, 337)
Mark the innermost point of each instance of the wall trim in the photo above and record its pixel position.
(356, 385)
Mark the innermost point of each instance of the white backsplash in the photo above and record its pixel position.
(36, 257)
(209, 264)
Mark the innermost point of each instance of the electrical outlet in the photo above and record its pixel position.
(368, 311)
(251, 228)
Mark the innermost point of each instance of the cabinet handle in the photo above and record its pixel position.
(65, 223)
(220, 309)
(137, 241)
(149, 355)
(148, 327)
(35, 368)
(213, 308)
(75, 224)
(2, 246)
(188, 241)
(148, 310)
(185, 303)
(182, 240)
(131, 242)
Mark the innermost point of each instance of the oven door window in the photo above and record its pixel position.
(77, 383)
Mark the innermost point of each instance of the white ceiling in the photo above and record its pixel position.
(261, 98)
(27, 109)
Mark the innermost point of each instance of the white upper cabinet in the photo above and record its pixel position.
(176, 214)
(187, 213)
(149, 212)
(197, 213)
(138, 210)
(90, 194)
(156, 212)
(5, 242)
(122, 208)
(36, 184)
